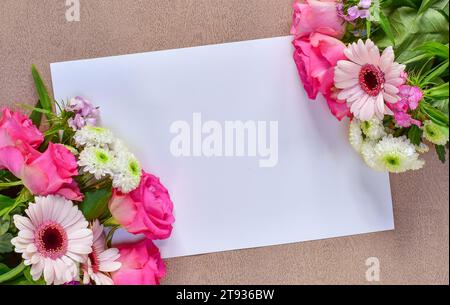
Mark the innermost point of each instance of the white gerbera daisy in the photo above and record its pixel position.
(97, 161)
(127, 172)
(53, 239)
(95, 136)
(101, 260)
(392, 154)
(368, 80)
(373, 129)
(435, 134)
(355, 135)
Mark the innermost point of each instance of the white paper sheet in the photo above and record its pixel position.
(319, 188)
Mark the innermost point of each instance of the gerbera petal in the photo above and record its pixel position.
(367, 110)
(390, 98)
(81, 233)
(23, 223)
(387, 59)
(36, 270)
(49, 273)
(379, 106)
(357, 105)
(346, 84)
(110, 266)
(392, 90)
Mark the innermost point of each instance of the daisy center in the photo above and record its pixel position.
(371, 79)
(51, 240)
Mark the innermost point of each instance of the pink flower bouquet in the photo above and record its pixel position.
(384, 65)
(65, 192)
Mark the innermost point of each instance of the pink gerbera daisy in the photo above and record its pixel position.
(102, 260)
(368, 80)
(53, 239)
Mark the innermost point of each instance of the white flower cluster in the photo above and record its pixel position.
(104, 155)
(382, 151)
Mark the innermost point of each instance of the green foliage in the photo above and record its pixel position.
(440, 150)
(95, 203)
(5, 243)
(415, 135)
(44, 98)
(36, 116)
(435, 115)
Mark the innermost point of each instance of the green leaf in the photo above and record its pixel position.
(440, 150)
(5, 204)
(435, 115)
(386, 26)
(438, 92)
(4, 269)
(36, 116)
(44, 98)
(95, 203)
(434, 48)
(12, 274)
(436, 72)
(415, 135)
(4, 225)
(442, 105)
(426, 4)
(5, 243)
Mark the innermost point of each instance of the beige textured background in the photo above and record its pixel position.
(417, 252)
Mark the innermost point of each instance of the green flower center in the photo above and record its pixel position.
(134, 168)
(102, 157)
(430, 131)
(96, 129)
(392, 161)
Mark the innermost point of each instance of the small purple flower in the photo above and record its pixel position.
(363, 14)
(365, 4)
(352, 13)
(85, 113)
(72, 283)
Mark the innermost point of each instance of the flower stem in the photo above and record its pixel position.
(10, 184)
(111, 222)
(13, 273)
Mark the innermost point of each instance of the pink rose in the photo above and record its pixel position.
(49, 173)
(316, 57)
(317, 16)
(147, 209)
(14, 127)
(141, 264)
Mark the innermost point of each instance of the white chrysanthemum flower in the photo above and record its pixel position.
(368, 154)
(94, 136)
(392, 154)
(355, 135)
(101, 260)
(435, 134)
(127, 172)
(118, 146)
(422, 148)
(368, 80)
(373, 129)
(53, 239)
(97, 161)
